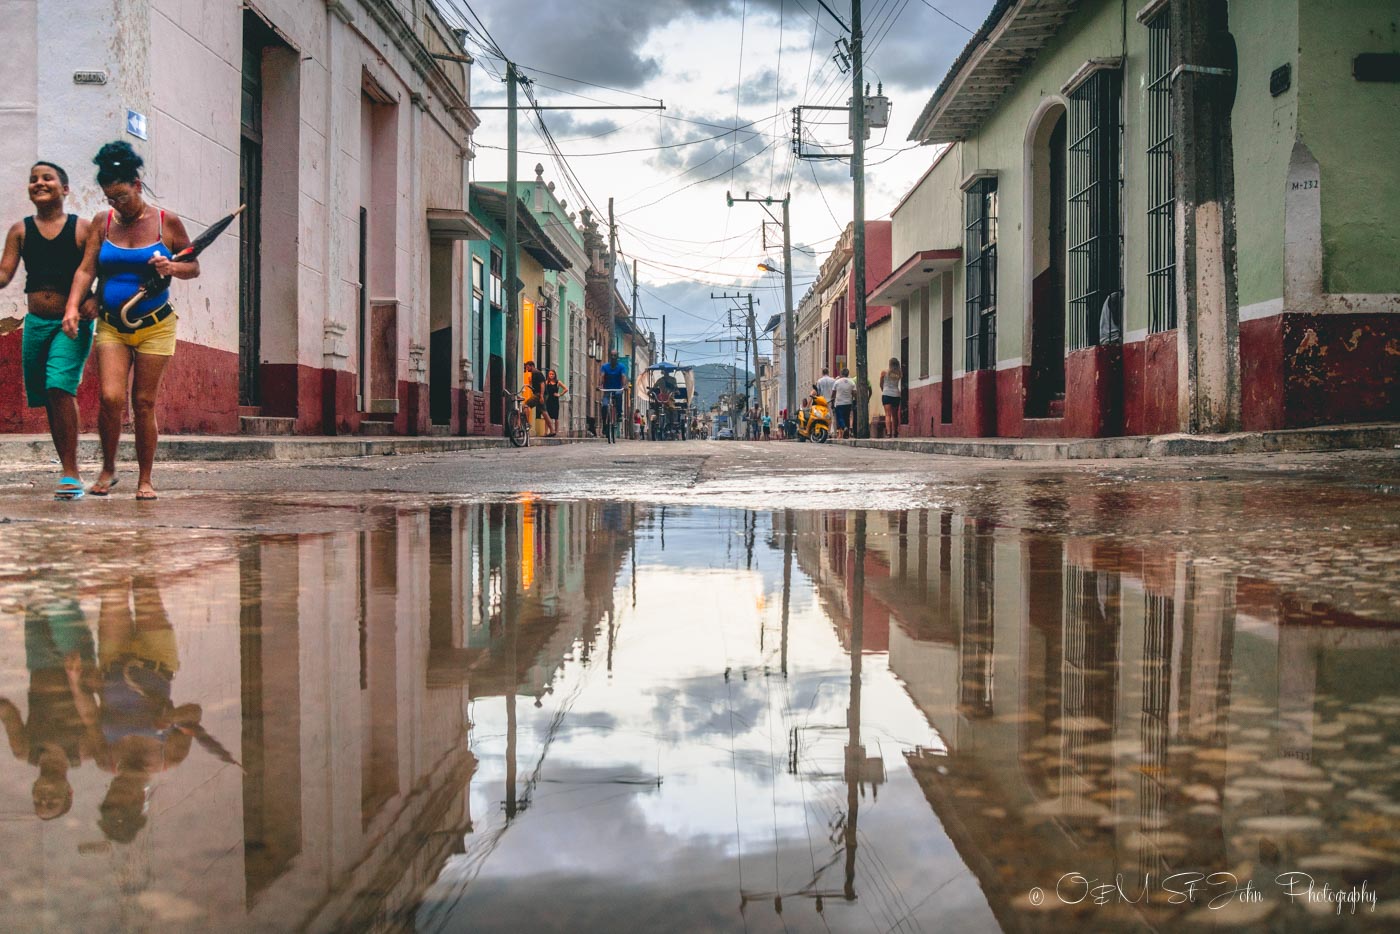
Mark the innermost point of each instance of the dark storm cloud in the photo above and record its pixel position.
(603, 41)
(566, 126)
(606, 41)
(758, 88)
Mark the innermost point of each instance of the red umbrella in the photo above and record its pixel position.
(187, 255)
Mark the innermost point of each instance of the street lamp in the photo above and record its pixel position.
(769, 267)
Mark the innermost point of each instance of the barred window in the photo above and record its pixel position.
(1094, 230)
(1161, 183)
(981, 254)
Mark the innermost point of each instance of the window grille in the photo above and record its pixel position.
(497, 262)
(1092, 219)
(1161, 182)
(981, 253)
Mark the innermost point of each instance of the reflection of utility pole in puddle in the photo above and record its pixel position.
(858, 769)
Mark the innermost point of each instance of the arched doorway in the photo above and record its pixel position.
(1045, 376)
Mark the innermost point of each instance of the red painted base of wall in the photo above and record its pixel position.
(198, 394)
(15, 414)
(1298, 370)
(975, 404)
(1150, 386)
(1011, 400)
(1094, 392)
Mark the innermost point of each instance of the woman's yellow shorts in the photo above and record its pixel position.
(157, 340)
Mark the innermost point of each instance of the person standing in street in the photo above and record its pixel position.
(127, 247)
(891, 393)
(553, 392)
(533, 390)
(844, 401)
(54, 350)
(825, 385)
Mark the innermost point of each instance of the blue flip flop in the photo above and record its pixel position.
(69, 488)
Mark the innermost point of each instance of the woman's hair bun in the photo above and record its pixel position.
(117, 162)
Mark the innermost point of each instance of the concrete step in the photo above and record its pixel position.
(376, 429)
(266, 427)
(439, 431)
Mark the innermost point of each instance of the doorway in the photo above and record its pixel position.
(440, 332)
(1045, 389)
(250, 170)
(946, 414)
(904, 380)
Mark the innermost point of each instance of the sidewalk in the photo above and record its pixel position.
(1292, 440)
(38, 449)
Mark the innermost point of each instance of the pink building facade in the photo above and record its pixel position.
(345, 125)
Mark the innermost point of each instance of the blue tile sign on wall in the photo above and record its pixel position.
(136, 124)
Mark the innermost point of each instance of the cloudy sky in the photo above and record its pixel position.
(729, 72)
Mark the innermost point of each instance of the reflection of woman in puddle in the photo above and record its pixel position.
(138, 730)
(58, 652)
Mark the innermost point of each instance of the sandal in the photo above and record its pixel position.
(69, 488)
(146, 496)
(100, 489)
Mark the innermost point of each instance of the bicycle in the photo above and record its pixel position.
(612, 402)
(518, 419)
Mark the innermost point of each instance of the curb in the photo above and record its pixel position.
(1290, 440)
(174, 448)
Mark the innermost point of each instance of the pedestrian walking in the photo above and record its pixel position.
(767, 428)
(553, 392)
(127, 246)
(825, 384)
(60, 654)
(891, 393)
(53, 350)
(844, 401)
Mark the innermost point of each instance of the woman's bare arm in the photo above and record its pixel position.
(179, 240)
(87, 271)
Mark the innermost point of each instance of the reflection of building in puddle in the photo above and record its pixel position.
(334, 672)
(1127, 714)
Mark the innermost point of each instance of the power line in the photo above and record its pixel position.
(947, 17)
(747, 159)
(617, 152)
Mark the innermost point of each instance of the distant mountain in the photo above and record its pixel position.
(714, 379)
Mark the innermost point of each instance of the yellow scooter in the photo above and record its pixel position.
(814, 424)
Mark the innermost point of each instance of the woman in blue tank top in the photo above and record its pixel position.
(127, 247)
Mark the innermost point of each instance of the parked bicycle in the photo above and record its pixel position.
(518, 419)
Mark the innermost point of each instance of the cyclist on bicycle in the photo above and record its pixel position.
(614, 381)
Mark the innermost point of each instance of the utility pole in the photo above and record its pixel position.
(789, 324)
(789, 315)
(750, 322)
(663, 337)
(512, 341)
(512, 251)
(612, 275)
(861, 121)
(753, 339)
(858, 244)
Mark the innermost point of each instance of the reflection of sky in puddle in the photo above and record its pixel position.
(1030, 705)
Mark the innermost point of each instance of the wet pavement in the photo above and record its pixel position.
(663, 692)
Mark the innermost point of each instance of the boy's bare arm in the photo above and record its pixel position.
(14, 729)
(9, 258)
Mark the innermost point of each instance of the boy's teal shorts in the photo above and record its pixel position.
(52, 359)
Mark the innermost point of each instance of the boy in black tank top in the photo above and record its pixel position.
(49, 244)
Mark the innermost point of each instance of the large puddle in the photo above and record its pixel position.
(594, 716)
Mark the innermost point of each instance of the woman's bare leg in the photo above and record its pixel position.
(113, 371)
(144, 389)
